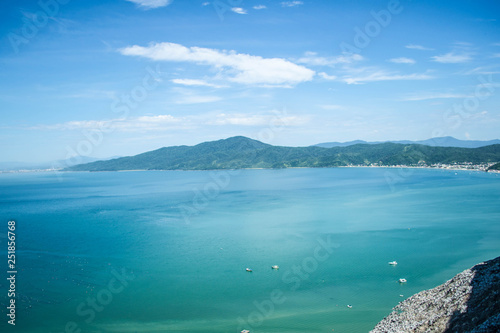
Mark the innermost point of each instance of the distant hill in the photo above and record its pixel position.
(241, 152)
(446, 141)
(495, 167)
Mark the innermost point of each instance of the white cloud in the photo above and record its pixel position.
(198, 99)
(194, 82)
(311, 59)
(257, 120)
(163, 122)
(258, 7)
(418, 47)
(162, 118)
(365, 75)
(451, 58)
(291, 3)
(485, 70)
(205, 3)
(402, 60)
(426, 96)
(150, 4)
(243, 68)
(496, 55)
(144, 123)
(326, 76)
(239, 10)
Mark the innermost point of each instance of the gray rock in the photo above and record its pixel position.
(468, 303)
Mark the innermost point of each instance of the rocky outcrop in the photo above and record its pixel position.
(469, 302)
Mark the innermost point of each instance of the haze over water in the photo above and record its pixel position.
(163, 257)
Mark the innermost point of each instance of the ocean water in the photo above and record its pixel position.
(167, 251)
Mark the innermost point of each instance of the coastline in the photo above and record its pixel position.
(451, 167)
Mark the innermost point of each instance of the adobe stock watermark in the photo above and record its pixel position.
(459, 112)
(121, 107)
(32, 26)
(453, 118)
(393, 177)
(222, 6)
(293, 278)
(363, 36)
(220, 179)
(88, 309)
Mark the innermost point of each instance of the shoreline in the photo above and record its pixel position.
(475, 167)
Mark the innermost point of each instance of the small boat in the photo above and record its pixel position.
(349, 306)
(245, 331)
(248, 270)
(402, 280)
(275, 267)
(393, 263)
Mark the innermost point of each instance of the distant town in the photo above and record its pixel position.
(468, 166)
(454, 166)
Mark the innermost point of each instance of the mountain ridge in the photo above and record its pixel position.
(445, 141)
(241, 152)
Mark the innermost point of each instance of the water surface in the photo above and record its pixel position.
(180, 242)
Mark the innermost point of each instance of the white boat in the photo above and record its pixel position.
(245, 331)
(248, 270)
(393, 263)
(402, 280)
(275, 267)
(349, 306)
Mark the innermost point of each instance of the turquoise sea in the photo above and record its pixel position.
(166, 251)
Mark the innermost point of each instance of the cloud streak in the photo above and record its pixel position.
(451, 58)
(312, 59)
(403, 60)
(195, 82)
(427, 96)
(239, 10)
(418, 47)
(325, 76)
(291, 3)
(168, 122)
(151, 4)
(240, 68)
(255, 120)
(144, 123)
(374, 75)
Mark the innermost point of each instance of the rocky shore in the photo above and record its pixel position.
(469, 302)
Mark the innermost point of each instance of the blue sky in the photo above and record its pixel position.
(105, 78)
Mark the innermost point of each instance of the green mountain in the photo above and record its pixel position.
(495, 167)
(241, 152)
